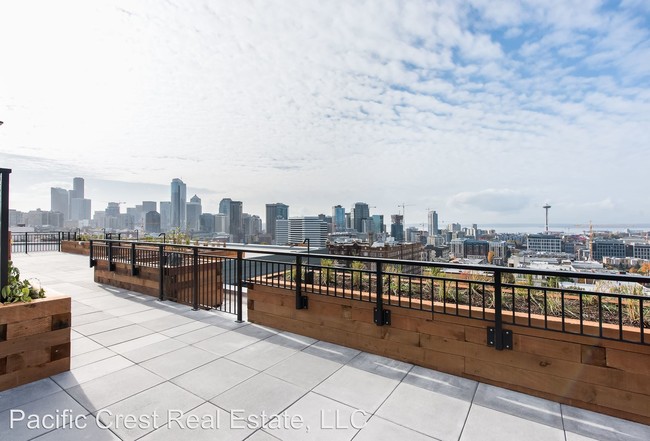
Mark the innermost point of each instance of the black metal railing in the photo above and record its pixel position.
(569, 302)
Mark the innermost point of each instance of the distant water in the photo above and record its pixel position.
(564, 228)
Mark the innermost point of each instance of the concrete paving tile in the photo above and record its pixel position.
(261, 355)
(359, 389)
(88, 431)
(518, 404)
(91, 371)
(91, 317)
(442, 383)
(376, 364)
(153, 350)
(225, 343)
(257, 331)
(111, 388)
(434, 414)
(77, 361)
(491, 425)
(184, 329)
(82, 345)
(20, 395)
(315, 417)
(149, 314)
(115, 336)
(151, 407)
(378, 428)
(95, 327)
(125, 308)
(206, 422)
(304, 370)
(166, 322)
(214, 378)
(291, 340)
(261, 435)
(602, 427)
(331, 351)
(261, 393)
(136, 343)
(54, 410)
(200, 334)
(176, 363)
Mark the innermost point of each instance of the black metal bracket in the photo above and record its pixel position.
(111, 266)
(382, 316)
(93, 263)
(302, 302)
(506, 338)
(135, 271)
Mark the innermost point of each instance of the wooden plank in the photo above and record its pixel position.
(27, 359)
(20, 312)
(30, 342)
(29, 327)
(626, 401)
(27, 375)
(628, 361)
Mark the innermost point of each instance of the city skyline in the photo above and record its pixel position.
(484, 113)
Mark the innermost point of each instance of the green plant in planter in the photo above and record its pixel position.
(19, 290)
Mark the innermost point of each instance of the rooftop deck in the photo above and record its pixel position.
(171, 367)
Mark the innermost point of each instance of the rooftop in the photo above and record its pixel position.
(171, 367)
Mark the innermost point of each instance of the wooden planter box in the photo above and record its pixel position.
(34, 340)
(75, 247)
(178, 281)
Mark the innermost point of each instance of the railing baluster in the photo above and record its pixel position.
(240, 283)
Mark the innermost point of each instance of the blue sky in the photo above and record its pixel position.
(481, 110)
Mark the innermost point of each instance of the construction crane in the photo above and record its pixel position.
(403, 205)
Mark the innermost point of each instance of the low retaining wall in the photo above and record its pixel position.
(34, 340)
(75, 247)
(610, 377)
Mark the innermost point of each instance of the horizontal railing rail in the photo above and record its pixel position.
(602, 305)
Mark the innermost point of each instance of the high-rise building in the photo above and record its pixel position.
(273, 213)
(433, 222)
(236, 221)
(77, 191)
(397, 227)
(148, 206)
(361, 212)
(338, 218)
(193, 214)
(224, 208)
(252, 227)
(80, 209)
(165, 215)
(207, 223)
(179, 202)
(282, 232)
(378, 223)
(152, 222)
(308, 227)
(220, 223)
(59, 201)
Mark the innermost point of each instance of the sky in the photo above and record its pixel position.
(483, 111)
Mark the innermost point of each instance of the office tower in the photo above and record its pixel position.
(113, 209)
(308, 227)
(152, 222)
(59, 201)
(433, 223)
(80, 209)
(361, 212)
(165, 215)
(179, 202)
(220, 223)
(378, 223)
(273, 213)
(77, 191)
(193, 214)
(338, 218)
(282, 232)
(224, 208)
(236, 221)
(207, 223)
(148, 206)
(397, 227)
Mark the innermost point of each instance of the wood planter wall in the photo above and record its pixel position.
(178, 281)
(75, 247)
(34, 340)
(606, 376)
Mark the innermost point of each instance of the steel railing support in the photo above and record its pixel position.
(381, 315)
(240, 283)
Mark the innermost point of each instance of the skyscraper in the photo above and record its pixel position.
(194, 211)
(236, 221)
(224, 208)
(308, 227)
(397, 227)
(178, 200)
(59, 201)
(77, 191)
(361, 212)
(165, 215)
(275, 212)
(338, 218)
(433, 223)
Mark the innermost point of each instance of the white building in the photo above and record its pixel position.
(306, 227)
